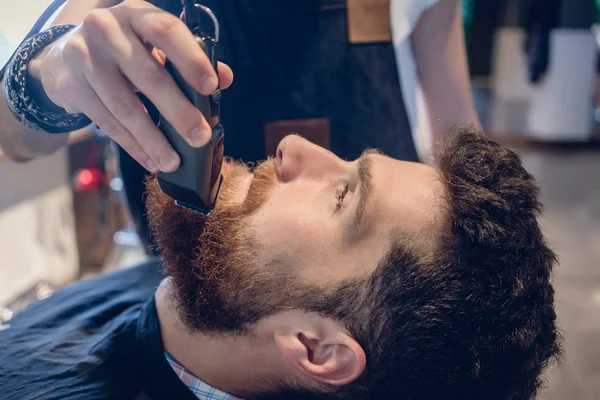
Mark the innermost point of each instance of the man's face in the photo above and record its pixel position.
(325, 220)
(288, 233)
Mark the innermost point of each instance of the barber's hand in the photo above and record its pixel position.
(97, 68)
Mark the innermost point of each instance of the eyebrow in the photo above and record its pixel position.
(365, 165)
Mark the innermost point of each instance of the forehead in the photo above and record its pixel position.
(408, 197)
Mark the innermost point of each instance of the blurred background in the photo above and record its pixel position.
(536, 87)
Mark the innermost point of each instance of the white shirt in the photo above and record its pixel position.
(404, 16)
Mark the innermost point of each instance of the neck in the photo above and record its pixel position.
(237, 365)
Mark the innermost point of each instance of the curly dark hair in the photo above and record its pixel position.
(476, 320)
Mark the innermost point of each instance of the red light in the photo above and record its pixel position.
(86, 177)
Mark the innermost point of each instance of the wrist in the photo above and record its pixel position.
(34, 66)
(35, 86)
(21, 93)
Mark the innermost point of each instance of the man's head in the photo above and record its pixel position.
(375, 278)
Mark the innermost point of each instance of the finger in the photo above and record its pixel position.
(225, 75)
(97, 112)
(148, 76)
(115, 93)
(170, 34)
(157, 84)
(225, 72)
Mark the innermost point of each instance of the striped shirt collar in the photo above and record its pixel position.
(201, 390)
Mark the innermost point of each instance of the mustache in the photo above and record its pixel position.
(234, 173)
(264, 180)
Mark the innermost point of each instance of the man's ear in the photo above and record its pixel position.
(331, 357)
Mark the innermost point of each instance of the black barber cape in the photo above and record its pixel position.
(96, 339)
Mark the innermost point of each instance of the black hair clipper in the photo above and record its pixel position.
(195, 185)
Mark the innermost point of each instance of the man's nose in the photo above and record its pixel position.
(299, 158)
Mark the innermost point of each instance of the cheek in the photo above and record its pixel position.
(290, 230)
(289, 219)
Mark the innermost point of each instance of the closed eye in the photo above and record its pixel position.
(340, 197)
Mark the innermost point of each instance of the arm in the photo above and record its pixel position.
(97, 67)
(439, 46)
(20, 143)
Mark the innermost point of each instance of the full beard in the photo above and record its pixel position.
(221, 283)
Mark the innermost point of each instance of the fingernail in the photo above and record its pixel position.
(199, 137)
(209, 84)
(151, 166)
(168, 162)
